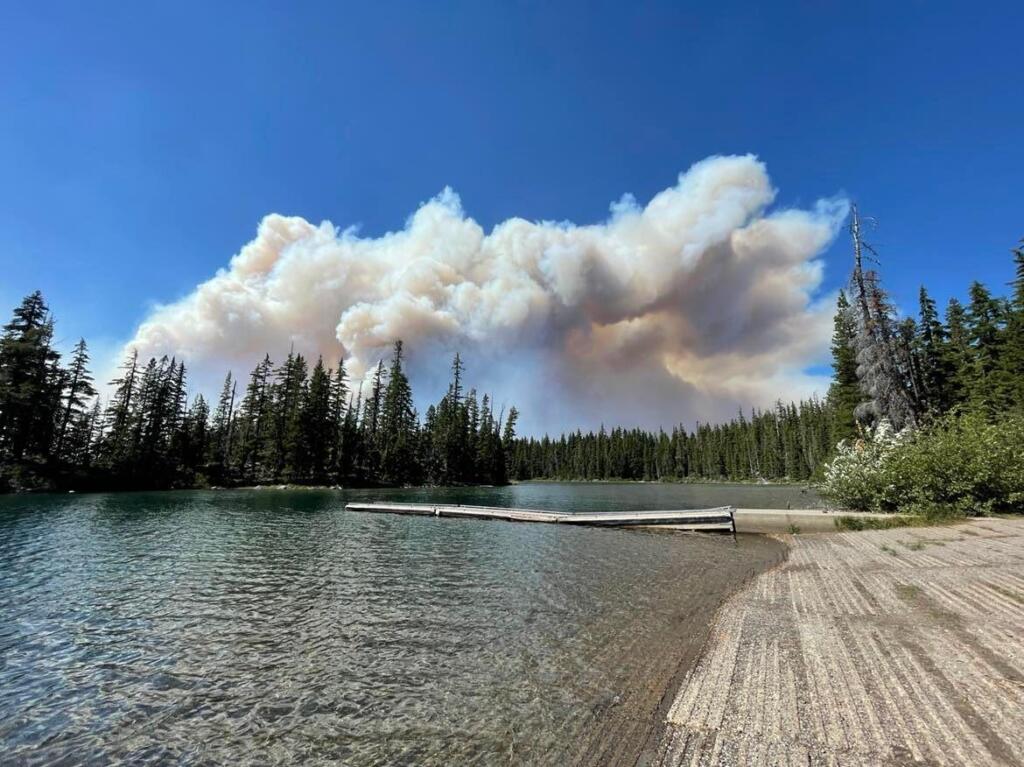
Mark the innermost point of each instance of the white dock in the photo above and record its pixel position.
(719, 519)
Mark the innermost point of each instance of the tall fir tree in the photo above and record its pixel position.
(78, 390)
(370, 424)
(508, 435)
(83, 439)
(1012, 362)
(339, 395)
(453, 424)
(194, 438)
(985, 324)
(958, 356)
(221, 429)
(318, 428)
(254, 418)
(397, 437)
(117, 444)
(937, 372)
(30, 381)
(844, 394)
(352, 446)
(285, 452)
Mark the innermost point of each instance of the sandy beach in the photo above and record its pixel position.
(893, 647)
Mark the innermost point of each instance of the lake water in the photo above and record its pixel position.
(274, 627)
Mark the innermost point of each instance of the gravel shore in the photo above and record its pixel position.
(880, 647)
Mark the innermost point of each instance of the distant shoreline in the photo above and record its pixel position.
(302, 486)
(669, 481)
(195, 488)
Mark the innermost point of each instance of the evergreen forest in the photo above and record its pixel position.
(299, 421)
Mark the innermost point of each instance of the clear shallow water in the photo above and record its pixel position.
(274, 627)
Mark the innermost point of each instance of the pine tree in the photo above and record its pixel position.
(508, 437)
(937, 372)
(317, 424)
(254, 419)
(30, 381)
(196, 435)
(429, 456)
(352, 447)
(910, 361)
(370, 425)
(285, 451)
(488, 445)
(158, 414)
(398, 428)
(178, 425)
(844, 394)
(1012, 362)
(221, 428)
(985, 321)
(468, 469)
(117, 445)
(84, 437)
(339, 396)
(455, 388)
(77, 390)
(958, 355)
(453, 430)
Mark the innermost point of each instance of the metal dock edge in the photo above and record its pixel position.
(719, 519)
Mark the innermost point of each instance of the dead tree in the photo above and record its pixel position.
(884, 363)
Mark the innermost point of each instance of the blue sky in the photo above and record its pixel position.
(141, 145)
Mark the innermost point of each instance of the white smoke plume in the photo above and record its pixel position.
(685, 309)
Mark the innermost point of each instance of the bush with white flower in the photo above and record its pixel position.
(856, 478)
(961, 464)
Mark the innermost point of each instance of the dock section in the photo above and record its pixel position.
(719, 519)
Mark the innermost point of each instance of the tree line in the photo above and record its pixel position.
(909, 371)
(789, 441)
(290, 424)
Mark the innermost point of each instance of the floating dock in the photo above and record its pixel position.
(719, 519)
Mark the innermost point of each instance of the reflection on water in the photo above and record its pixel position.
(274, 626)
(608, 496)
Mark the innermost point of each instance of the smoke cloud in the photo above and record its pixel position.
(683, 309)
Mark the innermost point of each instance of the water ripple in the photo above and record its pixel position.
(272, 628)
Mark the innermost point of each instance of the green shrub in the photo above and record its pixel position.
(959, 465)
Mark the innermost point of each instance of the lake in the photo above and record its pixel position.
(272, 626)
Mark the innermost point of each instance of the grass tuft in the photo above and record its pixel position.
(882, 523)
